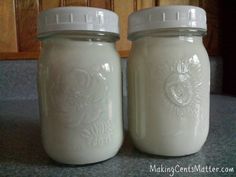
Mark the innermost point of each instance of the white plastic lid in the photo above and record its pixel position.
(77, 19)
(167, 17)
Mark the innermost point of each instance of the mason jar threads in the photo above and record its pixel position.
(79, 84)
(168, 80)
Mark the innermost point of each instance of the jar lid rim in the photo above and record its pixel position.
(76, 19)
(167, 17)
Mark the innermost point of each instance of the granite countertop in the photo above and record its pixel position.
(21, 152)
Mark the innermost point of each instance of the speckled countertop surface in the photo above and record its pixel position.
(21, 152)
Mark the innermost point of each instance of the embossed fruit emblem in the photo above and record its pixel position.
(182, 86)
(179, 88)
(78, 92)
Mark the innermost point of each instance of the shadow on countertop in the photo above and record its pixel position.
(20, 133)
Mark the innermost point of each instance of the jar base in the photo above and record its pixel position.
(164, 153)
(169, 155)
(75, 163)
(82, 156)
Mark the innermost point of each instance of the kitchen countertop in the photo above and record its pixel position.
(21, 152)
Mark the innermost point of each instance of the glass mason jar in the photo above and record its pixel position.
(168, 80)
(80, 84)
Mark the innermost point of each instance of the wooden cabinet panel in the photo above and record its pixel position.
(172, 2)
(47, 4)
(195, 2)
(75, 2)
(26, 13)
(141, 4)
(123, 8)
(178, 2)
(8, 40)
(106, 4)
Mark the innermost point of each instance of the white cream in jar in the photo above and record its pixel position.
(80, 85)
(168, 80)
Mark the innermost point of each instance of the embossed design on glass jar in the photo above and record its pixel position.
(182, 86)
(179, 89)
(98, 132)
(78, 96)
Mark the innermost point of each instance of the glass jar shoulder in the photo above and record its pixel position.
(72, 51)
(153, 48)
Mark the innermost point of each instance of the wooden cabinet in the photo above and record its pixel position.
(18, 19)
(8, 39)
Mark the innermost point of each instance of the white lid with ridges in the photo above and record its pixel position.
(77, 19)
(167, 17)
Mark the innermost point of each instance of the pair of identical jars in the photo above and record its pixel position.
(80, 82)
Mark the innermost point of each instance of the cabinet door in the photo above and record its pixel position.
(8, 40)
(178, 2)
(105, 4)
(142, 4)
(48, 4)
(26, 17)
(76, 2)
